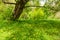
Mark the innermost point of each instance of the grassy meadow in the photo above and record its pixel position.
(48, 29)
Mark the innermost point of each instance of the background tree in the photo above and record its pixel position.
(49, 7)
(19, 6)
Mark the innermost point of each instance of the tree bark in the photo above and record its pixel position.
(19, 6)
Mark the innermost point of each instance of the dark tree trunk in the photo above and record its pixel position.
(19, 8)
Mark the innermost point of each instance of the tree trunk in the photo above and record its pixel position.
(19, 8)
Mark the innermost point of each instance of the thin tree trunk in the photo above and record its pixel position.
(19, 8)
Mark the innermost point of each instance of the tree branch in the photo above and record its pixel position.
(34, 6)
(7, 2)
(15, 3)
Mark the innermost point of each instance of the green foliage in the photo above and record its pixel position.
(37, 13)
(30, 29)
(5, 11)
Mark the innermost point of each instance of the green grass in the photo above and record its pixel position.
(30, 30)
(27, 29)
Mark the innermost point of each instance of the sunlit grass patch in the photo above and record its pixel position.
(30, 30)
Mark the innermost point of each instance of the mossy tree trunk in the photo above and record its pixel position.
(19, 6)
